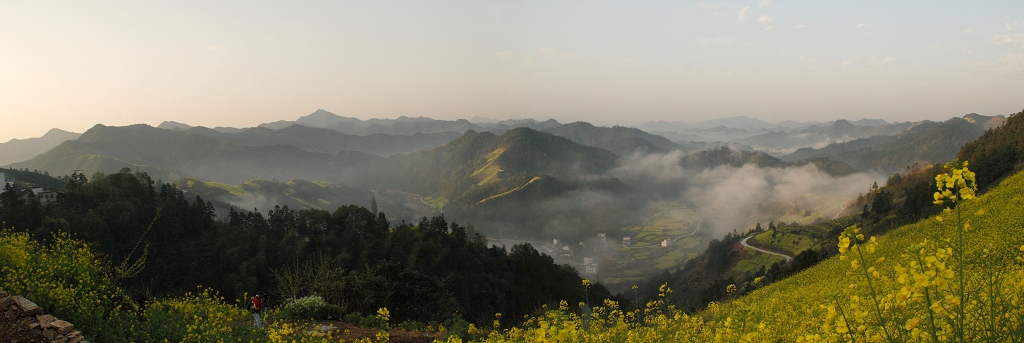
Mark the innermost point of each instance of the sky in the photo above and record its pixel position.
(73, 64)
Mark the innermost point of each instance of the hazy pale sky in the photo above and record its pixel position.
(72, 64)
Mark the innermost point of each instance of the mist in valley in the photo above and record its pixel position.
(724, 198)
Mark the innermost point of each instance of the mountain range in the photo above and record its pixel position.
(537, 178)
(169, 155)
(922, 144)
(17, 150)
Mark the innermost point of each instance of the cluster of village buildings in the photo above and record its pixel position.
(44, 195)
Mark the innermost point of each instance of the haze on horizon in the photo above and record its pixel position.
(71, 65)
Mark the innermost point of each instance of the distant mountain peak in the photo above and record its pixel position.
(482, 120)
(738, 122)
(988, 122)
(842, 124)
(173, 125)
(324, 118)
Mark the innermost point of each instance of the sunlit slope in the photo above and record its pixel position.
(265, 194)
(795, 305)
(811, 306)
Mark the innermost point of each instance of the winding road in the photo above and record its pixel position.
(744, 242)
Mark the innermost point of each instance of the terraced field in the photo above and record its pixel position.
(674, 224)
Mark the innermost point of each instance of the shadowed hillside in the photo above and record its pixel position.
(169, 155)
(620, 140)
(17, 150)
(923, 144)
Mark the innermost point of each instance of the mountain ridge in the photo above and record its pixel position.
(18, 150)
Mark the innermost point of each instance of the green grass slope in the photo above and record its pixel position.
(998, 231)
(265, 194)
(834, 301)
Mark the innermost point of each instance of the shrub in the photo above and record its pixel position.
(200, 317)
(457, 327)
(333, 311)
(411, 325)
(309, 307)
(372, 322)
(66, 279)
(353, 318)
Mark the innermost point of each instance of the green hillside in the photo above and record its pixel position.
(923, 144)
(169, 155)
(622, 141)
(31, 179)
(998, 152)
(265, 194)
(330, 141)
(485, 160)
(487, 178)
(900, 286)
(838, 131)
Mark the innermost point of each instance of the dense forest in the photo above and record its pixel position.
(167, 243)
(998, 153)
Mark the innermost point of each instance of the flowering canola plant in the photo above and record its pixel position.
(956, 277)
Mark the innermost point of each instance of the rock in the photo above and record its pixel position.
(62, 327)
(26, 323)
(27, 306)
(45, 320)
(60, 340)
(33, 326)
(3, 294)
(49, 334)
(6, 301)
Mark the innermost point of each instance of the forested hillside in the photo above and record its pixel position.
(622, 141)
(330, 141)
(998, 152)
(430, 270)
(924, 144)
(169, 155)
(265, 194)
(817, 136)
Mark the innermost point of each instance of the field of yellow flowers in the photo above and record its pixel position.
(956, 277)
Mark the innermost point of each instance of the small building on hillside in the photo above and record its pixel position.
(626, 242)
(589, 266)
(7, 180)
(46, 196)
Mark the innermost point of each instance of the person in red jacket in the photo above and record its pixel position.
(256, 306)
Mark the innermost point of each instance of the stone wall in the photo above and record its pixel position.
(21, 320)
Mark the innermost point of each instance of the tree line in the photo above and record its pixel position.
(354, 258)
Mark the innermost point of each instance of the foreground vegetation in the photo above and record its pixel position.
(953, 277)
